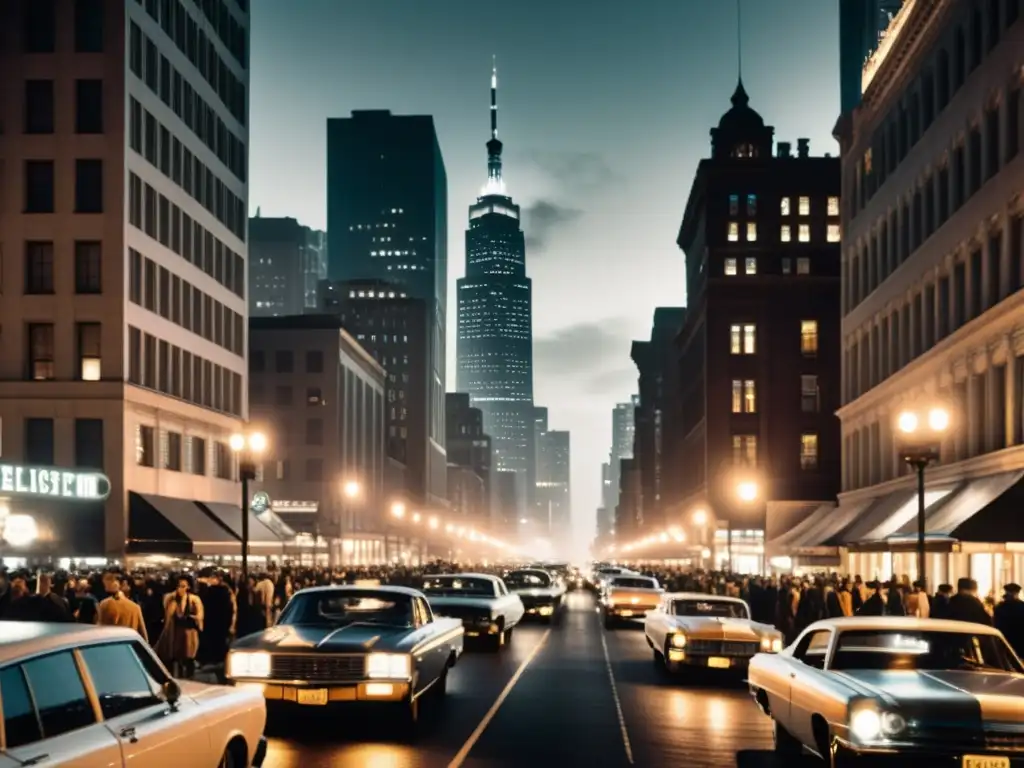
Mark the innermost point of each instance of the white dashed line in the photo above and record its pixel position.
(618, 703)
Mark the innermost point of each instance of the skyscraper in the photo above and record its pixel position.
(387, 221)
(552, 495)
(862, 25)
(495, 338)
(286, 262)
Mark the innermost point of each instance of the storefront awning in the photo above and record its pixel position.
(976, 513)
(168, 526)
(798, 531)
(230, 516)
(829, 525)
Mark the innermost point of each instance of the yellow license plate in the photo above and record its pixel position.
(985, 761)
(315, 697)
(717, 662)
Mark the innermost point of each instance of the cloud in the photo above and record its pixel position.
(613, 382)
(544, 218)
(574, 171)
(579, 349)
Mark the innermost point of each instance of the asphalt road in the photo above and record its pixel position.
(574, 694)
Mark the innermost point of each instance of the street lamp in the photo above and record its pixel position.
(920, 432)
(248, 448)
(350, 491)
(398, 510)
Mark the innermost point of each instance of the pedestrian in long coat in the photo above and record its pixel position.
(178, 645)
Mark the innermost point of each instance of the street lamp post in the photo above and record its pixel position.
(350, 491)
(921, 433)
(247, 447)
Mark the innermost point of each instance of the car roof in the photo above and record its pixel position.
(488, 576)
(531, 569)
(30, 638)
(393, 589)
(704, 597)
(902, 622)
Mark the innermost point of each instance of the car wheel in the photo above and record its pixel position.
(785, 742)
(227, 760)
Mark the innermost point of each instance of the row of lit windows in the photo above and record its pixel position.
(803, 266)
(744, 451)
(785, 205)
(743, 338)
(40, 360)
(833, 233)
(744, 395)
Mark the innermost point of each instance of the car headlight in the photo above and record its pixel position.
(893, 724)
(771, 644)
(678, 640)
(866, 725)
(248, 664)
(388, 665)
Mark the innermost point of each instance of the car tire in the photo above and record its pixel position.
(786, 744)
(228, 759)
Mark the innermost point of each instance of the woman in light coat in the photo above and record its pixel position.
(183, 621)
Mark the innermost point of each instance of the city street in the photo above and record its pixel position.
(549, 699)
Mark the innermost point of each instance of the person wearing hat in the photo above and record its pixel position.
(940, 606)
(876, 604)
(965, 605)
(1009, 618)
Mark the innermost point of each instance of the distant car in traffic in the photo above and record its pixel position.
(689, 629)
(369, 646)
(540, 592)
(83, 695)
(628, 597)
(904, 690)
(480, 601)
(600, 575)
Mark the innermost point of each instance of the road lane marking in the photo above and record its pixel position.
(474, 737)
(618, 702)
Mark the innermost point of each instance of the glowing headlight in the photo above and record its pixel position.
(771, 644)
(387, 665)
(248, 664)
(893, 724)
(678, 641)
(866, 725)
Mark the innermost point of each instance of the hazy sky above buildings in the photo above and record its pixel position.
(604, 107)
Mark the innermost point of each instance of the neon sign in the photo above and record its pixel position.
(23, 480)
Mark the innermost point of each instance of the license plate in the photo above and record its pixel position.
(985, 761)
(626, 613)
(315, 697)
(717, 662)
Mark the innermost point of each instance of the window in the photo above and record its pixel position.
(787, 266)
(88, 186)
(786, 233)
(750, 265)
(313, 396)
(38, 186)
(121, 682)
(39, 106)
(744, 450)
(39, 441)
(89, 352)
(803, 266)
(284, 361)
(314, 361)
(282, 395)
(784, 206)
(20, 723)
(751, 205)
(88, 271)
(808, 451)
(734, 205)
(737, 396)
(314, 431)
(742, 341)
(89, 444)
(88, 26)
(52, 683)
(804, 233)
(809, 398)
(734, 232)
(730, 266)
(833, 206)
(145, 446)
(809, 337)
(751, 231)
(40, 26)
(804, 206)
(38, 267)
(257, 361)
(40, 352)
(171, 450)
(744, 396)
(198, 464)
(88, 106)
(834, 234)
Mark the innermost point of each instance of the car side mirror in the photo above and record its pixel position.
(172, 693)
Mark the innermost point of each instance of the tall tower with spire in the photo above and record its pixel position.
(495, 327)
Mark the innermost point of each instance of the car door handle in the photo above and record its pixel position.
(35, 760)
(792, 674)
(129, 733)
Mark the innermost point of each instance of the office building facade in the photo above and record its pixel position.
(863, 25)
(287, 261)
(553, 493)
(469, 462)
(124, 242)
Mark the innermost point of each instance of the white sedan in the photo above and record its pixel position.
(97, 697)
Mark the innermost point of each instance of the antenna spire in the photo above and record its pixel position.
(739, 39)
(494, 97)
(495, 185)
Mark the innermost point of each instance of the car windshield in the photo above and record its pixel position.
(527, 580)
(621, 583)
(341, 607)
(924, 650)
(721, 609)
(458, 586)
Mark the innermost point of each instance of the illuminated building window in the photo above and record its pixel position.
(784, 208)
(751, 231)
(803, 266)
(808, 451)
(742, 339)
(805, 233)
(734, 232)
(744, 450)
(730, 266)
(89, 351)
(734, 205)
(809, 337)
(751, 205)
(833, 206)
(737, 396)
(750, 265)
(749, 342)
(749, 397)
(785, 233)
(787, 266)
(833, 233)
(804, 206)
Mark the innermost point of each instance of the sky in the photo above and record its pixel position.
(604, 110)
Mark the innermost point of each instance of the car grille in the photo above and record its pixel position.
(1004, 741)
(721, 648)
(324, 668)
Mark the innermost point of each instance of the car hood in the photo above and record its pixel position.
(439, 603)
(944, 695)
(351, 638)
(536, 591)
(719, 628)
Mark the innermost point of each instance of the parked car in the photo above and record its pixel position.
(480, 601)
(895, 690)
(367, 646)
(86, 696)
(690, 629)
(628, 597)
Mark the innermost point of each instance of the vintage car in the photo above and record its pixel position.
(600, 574)
(690, 629)
(370, 646)
(540, 592)
(480, 601)
(87, 696)
(895, 691)
(628, 597)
